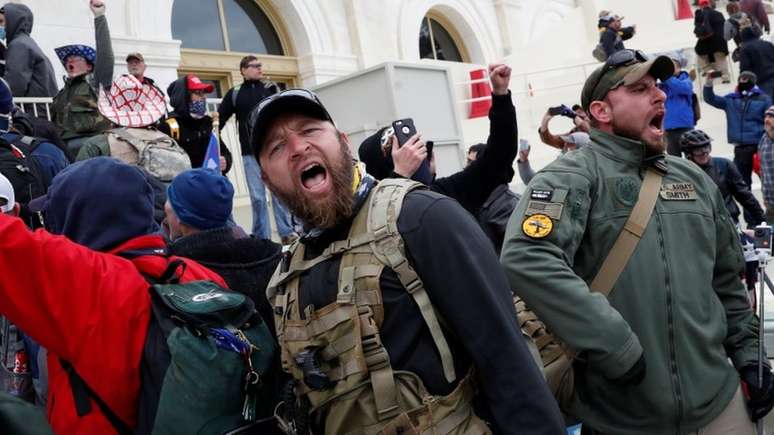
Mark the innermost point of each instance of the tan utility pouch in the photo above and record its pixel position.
(556, 358)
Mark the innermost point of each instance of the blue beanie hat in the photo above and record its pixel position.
(201, 198)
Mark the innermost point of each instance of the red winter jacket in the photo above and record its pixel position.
(87, 307)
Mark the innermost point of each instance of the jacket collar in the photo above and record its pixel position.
(625, 150)
(153, 244)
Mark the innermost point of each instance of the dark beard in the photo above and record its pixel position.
(324, 213)
(652, 148)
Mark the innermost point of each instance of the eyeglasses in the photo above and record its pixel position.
(699, 151)
(254, 65)
(618, 59)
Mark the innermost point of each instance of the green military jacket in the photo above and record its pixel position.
(679, 301)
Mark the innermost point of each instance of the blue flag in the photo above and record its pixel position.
(212, 158)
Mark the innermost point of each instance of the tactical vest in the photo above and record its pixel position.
(336, 354)
(75, 109)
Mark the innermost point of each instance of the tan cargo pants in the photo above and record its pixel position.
(733, 420)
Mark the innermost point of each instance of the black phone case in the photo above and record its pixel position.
(404, 129)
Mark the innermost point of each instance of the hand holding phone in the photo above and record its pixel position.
(404, 129)
(523, 145)
(556, 110)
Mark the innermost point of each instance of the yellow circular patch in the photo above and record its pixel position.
(537, 226)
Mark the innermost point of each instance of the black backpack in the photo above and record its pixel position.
(25, 175)
(703, 29)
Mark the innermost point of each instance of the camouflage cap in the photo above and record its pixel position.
(608, 77)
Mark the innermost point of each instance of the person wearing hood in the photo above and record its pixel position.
(74, 108)
(757, 56)
(28, 71)
(471, 186)
(110, 244)
(745, 109)
(189, 124)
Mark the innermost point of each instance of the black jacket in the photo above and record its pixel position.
(250, 93)
(194, 133)
(715, 43)
(28, 71)
(452, 257)
(245, 263)
(471, 186)
(494, 214)
(612, 41)
(732, 186)
(756, 55)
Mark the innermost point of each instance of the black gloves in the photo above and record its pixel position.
(633, 376)
(760, 400)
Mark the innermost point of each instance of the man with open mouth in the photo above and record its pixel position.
(391, 310)
(636, 268)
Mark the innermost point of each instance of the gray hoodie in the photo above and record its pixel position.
(28, 71)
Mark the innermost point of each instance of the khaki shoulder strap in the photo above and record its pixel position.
(384, 208)
(624, 246)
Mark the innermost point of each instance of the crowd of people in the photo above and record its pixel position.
(609, 293)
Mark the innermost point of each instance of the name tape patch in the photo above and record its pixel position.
(678, 192)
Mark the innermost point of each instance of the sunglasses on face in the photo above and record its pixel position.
(618, 59)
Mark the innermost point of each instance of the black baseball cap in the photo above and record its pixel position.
(301, 101)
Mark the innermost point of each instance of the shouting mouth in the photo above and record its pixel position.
(656, 124)
(314, 177)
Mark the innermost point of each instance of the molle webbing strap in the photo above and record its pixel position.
(384, 208)
(624, 246)
(376, 357)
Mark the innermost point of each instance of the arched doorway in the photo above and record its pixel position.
(216, 34)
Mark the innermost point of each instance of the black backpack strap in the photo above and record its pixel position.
(81, 395)
(170, 274)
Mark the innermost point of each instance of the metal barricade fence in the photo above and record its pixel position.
(41, 107)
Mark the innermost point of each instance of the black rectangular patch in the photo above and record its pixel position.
(541, 194)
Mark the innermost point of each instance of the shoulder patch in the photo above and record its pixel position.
(537, 226)
(550, 209)
(541, 194)
(626, 190)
